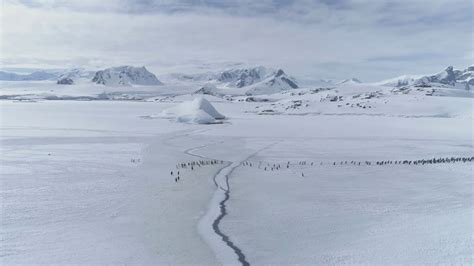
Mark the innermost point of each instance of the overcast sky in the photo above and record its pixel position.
(370, 40)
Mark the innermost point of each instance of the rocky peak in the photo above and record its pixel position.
(279, 73)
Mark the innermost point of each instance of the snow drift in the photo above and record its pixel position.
(199, 111)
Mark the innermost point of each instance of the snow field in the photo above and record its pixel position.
(105, 193)
(351, 214)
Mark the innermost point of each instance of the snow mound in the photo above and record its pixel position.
(199, 111)
(125, 76)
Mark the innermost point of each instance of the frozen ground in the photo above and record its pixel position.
(89, 181)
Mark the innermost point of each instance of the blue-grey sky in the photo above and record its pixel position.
(368, 39)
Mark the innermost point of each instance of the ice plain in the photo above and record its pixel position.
(90, 181)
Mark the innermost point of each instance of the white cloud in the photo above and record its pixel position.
(345, 38)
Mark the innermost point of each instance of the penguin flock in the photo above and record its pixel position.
(267, 166)
(191, 165)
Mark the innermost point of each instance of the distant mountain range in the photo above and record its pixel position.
(247, 80)
(115, 76)
(37, 75)
(447, 77)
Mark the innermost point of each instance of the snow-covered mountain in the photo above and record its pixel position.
(256, 76)
(244, 80)
(73, 76)
(275, 82)
(465, 76)
(56, 74)
(448, 77)
(125, 76)
(242, 77)
(77, 73)
(349, 81)
(236, 81)
(37, 75)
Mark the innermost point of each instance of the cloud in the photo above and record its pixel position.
(334, 39)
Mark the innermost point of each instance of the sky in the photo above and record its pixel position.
(336, 39)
